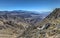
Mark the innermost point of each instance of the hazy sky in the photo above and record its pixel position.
(30, 5)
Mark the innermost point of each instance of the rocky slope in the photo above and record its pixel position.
(49, 27)
(14, 23)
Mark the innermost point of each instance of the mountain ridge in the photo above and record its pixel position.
(49, 27)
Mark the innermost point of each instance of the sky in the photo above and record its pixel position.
(29, 5)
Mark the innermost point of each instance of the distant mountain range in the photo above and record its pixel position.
(26, 16)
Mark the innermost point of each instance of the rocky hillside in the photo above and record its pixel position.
(15, 23)
(49, 27)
